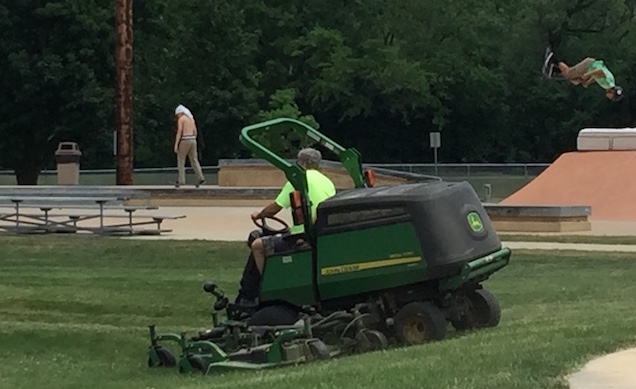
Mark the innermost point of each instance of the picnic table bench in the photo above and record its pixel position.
(42, 223)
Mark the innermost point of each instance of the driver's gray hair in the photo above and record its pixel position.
(309, 158)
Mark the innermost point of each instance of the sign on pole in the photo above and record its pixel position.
(436, 142)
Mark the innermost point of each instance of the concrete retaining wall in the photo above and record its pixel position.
(260, 173)
(269, 176)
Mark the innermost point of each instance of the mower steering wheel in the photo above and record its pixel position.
(267, 230)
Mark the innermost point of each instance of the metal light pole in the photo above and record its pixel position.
(123, 90)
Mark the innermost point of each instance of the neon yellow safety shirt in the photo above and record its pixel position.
(320, 188)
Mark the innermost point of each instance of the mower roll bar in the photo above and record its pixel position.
(350, 158)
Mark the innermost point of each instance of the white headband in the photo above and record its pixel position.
(183, 110)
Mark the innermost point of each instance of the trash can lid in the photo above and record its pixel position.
(68, 148)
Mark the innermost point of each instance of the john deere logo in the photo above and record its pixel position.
(474, 221)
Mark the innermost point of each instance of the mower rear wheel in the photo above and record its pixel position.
(166, 359)
(274, 315)
(483, 311)
(418, 323)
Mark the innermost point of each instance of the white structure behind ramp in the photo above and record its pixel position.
(606, 139)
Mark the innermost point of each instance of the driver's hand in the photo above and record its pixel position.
(255, 215)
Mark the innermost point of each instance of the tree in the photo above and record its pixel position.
(201, 55)
(55, 75)
(283, 142)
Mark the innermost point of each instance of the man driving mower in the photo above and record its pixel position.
(320, 188)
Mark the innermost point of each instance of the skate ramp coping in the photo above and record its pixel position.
(606, 139)
(260, 173)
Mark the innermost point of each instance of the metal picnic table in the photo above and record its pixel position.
(30, 223)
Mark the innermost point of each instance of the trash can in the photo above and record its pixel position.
(67, 158)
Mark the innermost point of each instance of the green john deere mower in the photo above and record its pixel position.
(379, 266)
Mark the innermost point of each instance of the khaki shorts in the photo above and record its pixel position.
(578, 70)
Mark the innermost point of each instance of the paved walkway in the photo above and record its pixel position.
(612, 371)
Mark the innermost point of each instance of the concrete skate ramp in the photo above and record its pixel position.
(603, 180)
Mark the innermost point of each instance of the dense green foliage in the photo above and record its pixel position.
(374, 74)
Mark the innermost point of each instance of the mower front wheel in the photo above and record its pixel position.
(419, 322)
(483, 311)
(370, 340)
(162, 358)
(197, 364)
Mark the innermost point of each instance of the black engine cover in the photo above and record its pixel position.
(448, 218)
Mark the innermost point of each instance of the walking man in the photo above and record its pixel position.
(185, 145)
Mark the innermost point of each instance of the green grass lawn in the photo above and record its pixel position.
(74, 311)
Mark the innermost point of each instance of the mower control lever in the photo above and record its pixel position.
(221, 300)
(211, 288)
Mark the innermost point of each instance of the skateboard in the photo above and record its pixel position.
(548, 66)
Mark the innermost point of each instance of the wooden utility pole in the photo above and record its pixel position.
(123, 90)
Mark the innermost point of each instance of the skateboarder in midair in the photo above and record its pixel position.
(583, 73)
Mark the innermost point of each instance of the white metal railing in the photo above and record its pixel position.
(469, 169)
(441, 169)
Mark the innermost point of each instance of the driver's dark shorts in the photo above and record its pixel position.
(279, 243)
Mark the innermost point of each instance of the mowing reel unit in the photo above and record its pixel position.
(234, 344)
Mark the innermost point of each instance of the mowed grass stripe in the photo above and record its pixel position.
(74, 310)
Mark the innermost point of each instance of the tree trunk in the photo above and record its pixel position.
(27, 173)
